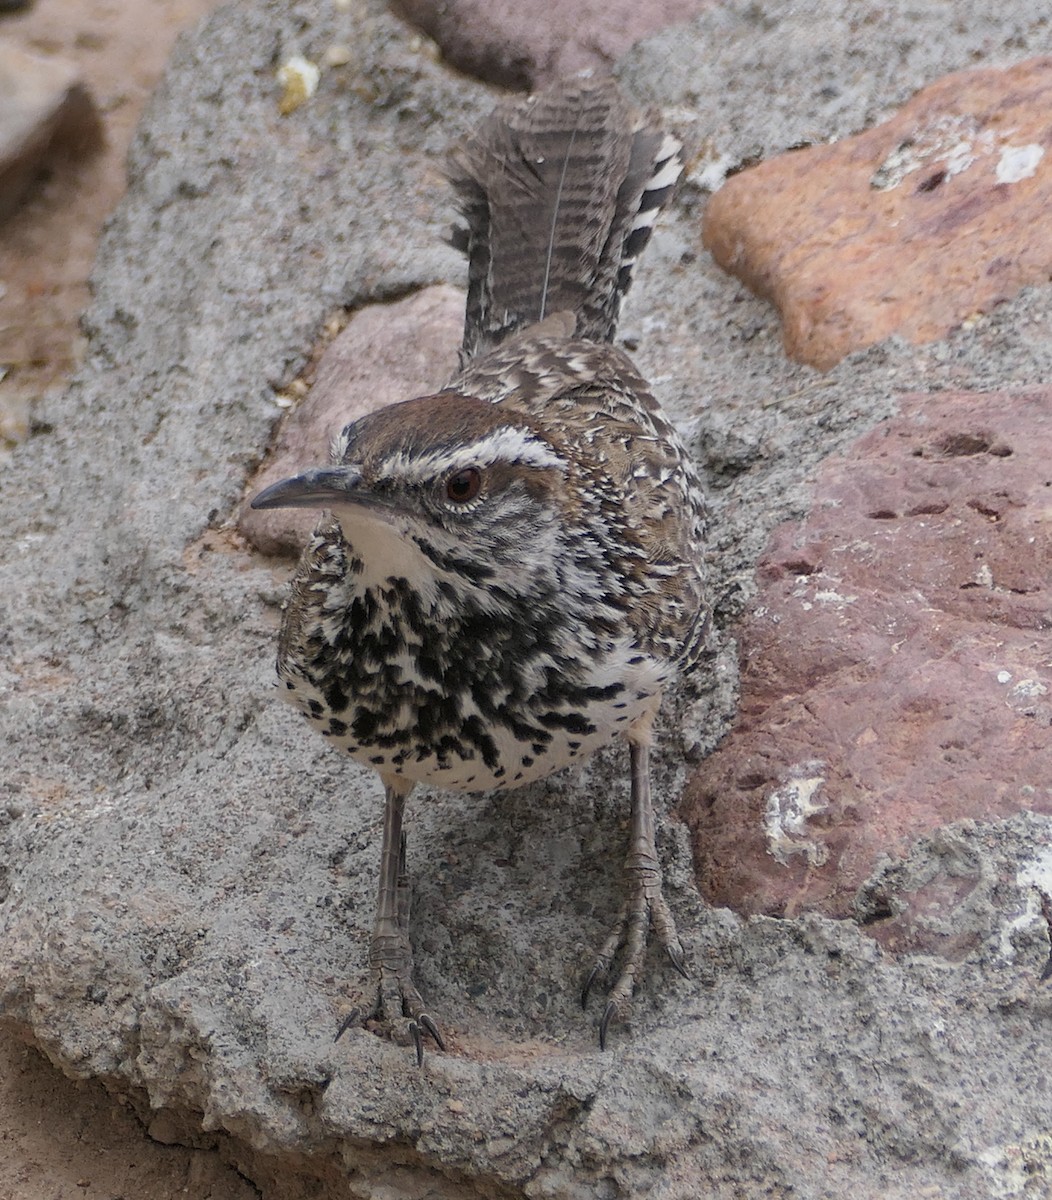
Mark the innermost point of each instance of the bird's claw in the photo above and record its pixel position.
(608, 1014)
(647, 910)
(589, 983)
(350, 1019)
(418, 1027)
(677, 959)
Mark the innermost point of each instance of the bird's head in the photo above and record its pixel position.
(446, 485)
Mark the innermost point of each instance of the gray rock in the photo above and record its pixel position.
(188, 876)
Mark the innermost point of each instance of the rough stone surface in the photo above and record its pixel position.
(529, 43)
(895, 667)
(44, 106)
(384, 354)
(908, 228)
(188, 878)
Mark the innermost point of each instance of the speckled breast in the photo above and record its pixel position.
(461, 699)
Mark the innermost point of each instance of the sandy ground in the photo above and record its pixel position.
(48, 245)
(61, 1138)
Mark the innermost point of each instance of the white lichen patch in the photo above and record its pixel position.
(950, 143)
(829, 596)
(1037, 873)
(1023, 922)
(1028, 689)
(788, 809)
(1019, 1169)
(1035, 878)
(1019, 162)
(1029, 698)
(984, 577)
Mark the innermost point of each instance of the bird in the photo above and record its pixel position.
(508, 574)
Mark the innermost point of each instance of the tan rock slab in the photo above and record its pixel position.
(44, 103)
(897, 661)
(386, 353)
(910, 228)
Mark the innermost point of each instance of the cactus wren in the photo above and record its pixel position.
(510, 572)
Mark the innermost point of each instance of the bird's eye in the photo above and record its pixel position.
(464, 485)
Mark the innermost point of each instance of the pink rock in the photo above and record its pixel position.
(897, 662)
(44, 105)
(911, 227)
(386, 353)
(533, 42)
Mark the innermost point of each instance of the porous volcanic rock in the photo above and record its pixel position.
(895, 663)
(911, 227)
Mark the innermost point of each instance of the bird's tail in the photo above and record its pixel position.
(559, 194)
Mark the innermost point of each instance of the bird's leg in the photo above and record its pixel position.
(644, 907)
(390, 952)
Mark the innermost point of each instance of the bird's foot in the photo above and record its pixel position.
(644, 910)
(394, 996)
(393, 1000)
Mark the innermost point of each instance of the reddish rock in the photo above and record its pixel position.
(386, 353)
(44, 106)
(896, 663)
(909, 228)
(533, 42)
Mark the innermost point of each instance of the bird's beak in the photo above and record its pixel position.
(320, 487)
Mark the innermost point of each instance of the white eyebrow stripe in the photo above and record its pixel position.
(506, 444)
(516, 446)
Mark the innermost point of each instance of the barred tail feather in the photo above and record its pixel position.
(558, 194)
